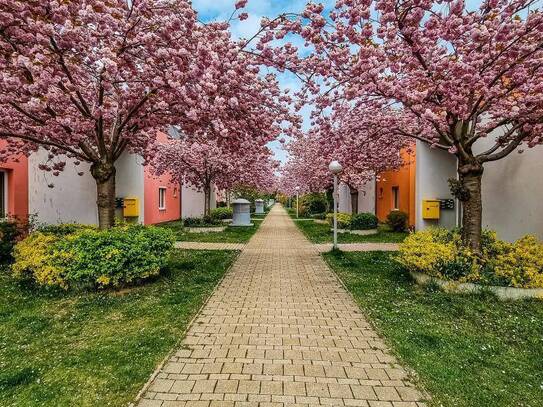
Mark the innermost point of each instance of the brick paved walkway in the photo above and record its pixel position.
(280, 330)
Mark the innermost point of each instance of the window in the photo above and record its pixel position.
(175, 192)
(161, 198)
(3, 194)
(381, 193)
(395, 197)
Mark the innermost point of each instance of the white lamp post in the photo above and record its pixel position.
(297, 199)
(335, 168)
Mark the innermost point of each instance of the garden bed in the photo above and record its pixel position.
(320, 233)
(467, 349)
(205, 229)
(98, 349)
(367, 232)
(504, 293)
(240, 234)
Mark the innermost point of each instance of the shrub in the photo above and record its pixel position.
(10, 232)
(440, 253)
(63, 229)
(364, 221)
(397, 220)
(425, 250)
(313, 203)
(36, 258)
(521, 263)
(91, 258)
(221, 213)
(343, 220)
(205, 220)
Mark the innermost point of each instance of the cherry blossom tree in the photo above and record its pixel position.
(89, 80)
(360, 143)
(452, 77)
(204, 163)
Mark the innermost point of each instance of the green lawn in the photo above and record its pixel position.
(321, 233)
(468, 350)
(98, 349)
(230, 235)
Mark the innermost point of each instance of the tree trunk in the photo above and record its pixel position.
(207, 200)
(104, 175)
(472, 205)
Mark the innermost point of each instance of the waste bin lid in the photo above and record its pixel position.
(241, 201)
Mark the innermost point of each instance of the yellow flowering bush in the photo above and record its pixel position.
(36, 258)
(424, 250)
(440, 253)
(521, 263)
(343, 220)
(69, 257)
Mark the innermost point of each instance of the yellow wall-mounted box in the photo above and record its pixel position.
(131, 207)
(430, 209)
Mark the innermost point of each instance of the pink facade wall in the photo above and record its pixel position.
(153, 214)
(17, 179)
(172, 209)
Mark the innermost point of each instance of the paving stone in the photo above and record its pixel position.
(280, 330)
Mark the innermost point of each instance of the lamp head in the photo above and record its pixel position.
(335, 167)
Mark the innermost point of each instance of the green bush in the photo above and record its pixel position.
(397, 220)
(206, 220)
(222, 213)
(364, 221)
(343, 220)
(63, 229)
(92, 258)
(10, 232)
(313, 203)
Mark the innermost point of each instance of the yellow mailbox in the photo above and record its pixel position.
(430, 209)
(131, 207)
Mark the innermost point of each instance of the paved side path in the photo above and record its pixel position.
(280, 330)
(358, 247)
(209, 246)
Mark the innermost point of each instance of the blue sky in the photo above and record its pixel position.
(209, 10)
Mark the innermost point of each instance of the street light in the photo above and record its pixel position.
(297, 199)
(335, 168)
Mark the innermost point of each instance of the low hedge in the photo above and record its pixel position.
(364, 221)
(206, 220)
(84, 257)
(439, 253)
(222, 213)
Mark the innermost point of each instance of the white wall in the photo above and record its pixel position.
(366, 198)
(344, 204)
(192, 201)
(512, 190)
(434, 167)
(130, 181)
(72, 199)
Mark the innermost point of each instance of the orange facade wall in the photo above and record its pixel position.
(17, 184)
(403, 180)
